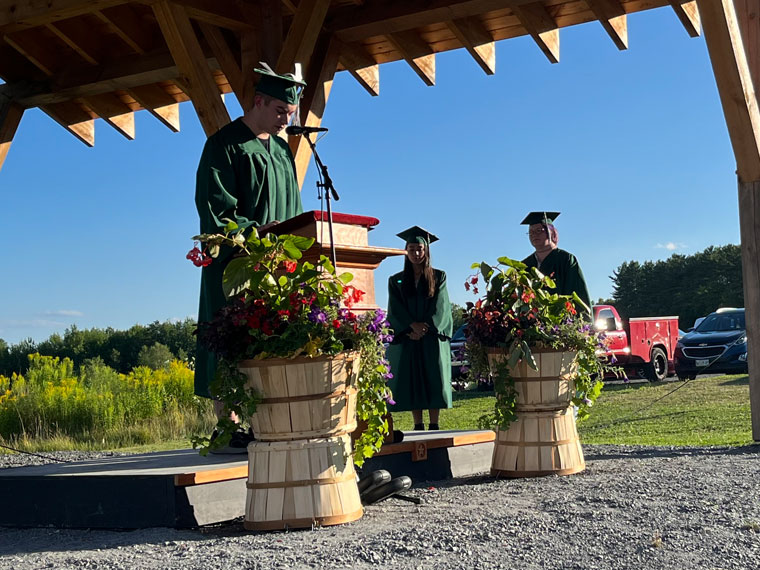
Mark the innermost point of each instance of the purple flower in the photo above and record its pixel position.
(317, 315)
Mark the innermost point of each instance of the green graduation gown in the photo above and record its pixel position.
(238, 179)
(421, 368)
(563, 268)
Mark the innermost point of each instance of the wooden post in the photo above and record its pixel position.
(10, 117)
(730, 28)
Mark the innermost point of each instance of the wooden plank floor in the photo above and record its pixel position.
(179, 488)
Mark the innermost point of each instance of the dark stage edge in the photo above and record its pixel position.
(181, 489)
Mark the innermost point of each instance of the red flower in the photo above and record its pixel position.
(528, 296)
(336, 323)
(289, 266)
(466, 285)
(569, 306)
(475, 290)
(474, 280)
(198, 257)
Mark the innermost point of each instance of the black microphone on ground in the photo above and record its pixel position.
(293, 130)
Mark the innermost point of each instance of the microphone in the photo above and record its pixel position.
(293, 130)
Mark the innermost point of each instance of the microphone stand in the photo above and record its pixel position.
(330, 193)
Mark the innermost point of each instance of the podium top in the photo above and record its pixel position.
(318, 216)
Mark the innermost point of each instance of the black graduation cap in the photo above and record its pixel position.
(540, 218)
(416, 234)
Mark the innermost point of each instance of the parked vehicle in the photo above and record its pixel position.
(643, 346)
(457, 352)
(718, 344)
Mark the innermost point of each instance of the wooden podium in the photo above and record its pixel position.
(352, 249)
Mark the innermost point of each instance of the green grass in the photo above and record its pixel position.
(705, 411)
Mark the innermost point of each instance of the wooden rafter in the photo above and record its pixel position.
(74, 119)
(226, 57)
(360, 65)
(541, 26)
(612, 16)
(688, 13)
(195, 74)
(303, 34)
(477, 41)
(74, 34)
(416, 53)
(10, 117)
(319, 81)
(123, 22)
(158, 103)
(26, 14)
(36, 52)
(113, 111)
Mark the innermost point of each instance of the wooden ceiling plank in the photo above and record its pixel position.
(319, 80)
(74, 119)
(80, 43)
(187, 53)
(123, 22)
(541, 26)
(612, 16)
(688, 14)
(416, 53)
(33, 51)
(221, 14)
(735, 84)
(379, 18)
(303, 34)
(10, 117)
(24, 14)
(226, 58)
(477, 41)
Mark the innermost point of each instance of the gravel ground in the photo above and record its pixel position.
(633, 507)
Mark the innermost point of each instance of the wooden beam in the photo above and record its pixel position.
(123, 22)
(354, 23)
(10, 117)
(416, 53)
(735, 85)
(74, 119)
(75, 35)
(36, 52)
(221, 14)
(477, 41)
(360, 65)
(226, 58)
(24, 14)
(158, 103)
(748, 14)
(541, 26)
(114, 112)
(187, 53)
(611, 15)
(688, 14)
(302, 35)
(319, 82)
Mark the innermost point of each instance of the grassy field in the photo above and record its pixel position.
(706, 411)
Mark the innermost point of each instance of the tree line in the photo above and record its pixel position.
(152, 345)
(689, 286)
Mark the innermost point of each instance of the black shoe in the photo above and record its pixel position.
(237, 445)
(419, 427)
(433, 427)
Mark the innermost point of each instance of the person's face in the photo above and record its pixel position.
(276, 115)
(416, 253)
(539, 236)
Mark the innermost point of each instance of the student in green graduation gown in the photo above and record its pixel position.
(420, 315)
(560, 265)
(246, 174)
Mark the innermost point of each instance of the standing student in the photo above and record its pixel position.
(549, 259)
(247, 175)
(420, 315)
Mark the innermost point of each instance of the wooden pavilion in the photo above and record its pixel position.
(82, 60)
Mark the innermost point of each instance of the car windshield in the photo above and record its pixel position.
(722, 322)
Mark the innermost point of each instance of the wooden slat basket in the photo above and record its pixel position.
(303, 397)
(298, 484)
(551, 387)
(538, 443)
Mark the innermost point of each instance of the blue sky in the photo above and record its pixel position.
(630, 146)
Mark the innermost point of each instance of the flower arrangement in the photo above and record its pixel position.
(519, 313)
(282, 307)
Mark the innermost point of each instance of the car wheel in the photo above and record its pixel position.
(657, 369)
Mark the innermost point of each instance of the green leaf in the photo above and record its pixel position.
(302, 243)
(236, 276)
(292, 251)
(230, 227)
(345, 277)
(283, 280)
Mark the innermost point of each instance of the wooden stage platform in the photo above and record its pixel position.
(181, 489)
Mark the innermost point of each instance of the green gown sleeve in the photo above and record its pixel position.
(399, 316)
(441, 321)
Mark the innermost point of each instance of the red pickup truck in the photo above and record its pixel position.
(644, 346)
